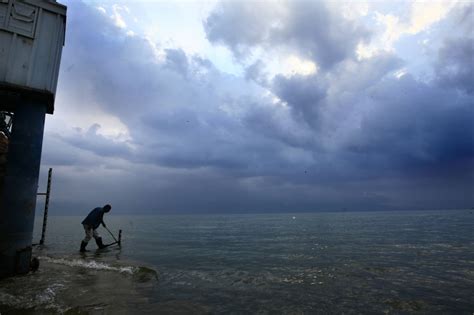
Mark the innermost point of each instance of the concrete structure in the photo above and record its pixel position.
(31, 41)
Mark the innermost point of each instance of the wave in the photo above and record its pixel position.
(90, 264)
(139, 273)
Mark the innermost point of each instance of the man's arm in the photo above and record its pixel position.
(102, 220)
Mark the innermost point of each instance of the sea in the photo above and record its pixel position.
(406, 262)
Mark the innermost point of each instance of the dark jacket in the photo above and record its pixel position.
(95, 218)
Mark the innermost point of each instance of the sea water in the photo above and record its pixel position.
(419, 262)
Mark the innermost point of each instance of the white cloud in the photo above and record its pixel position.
(102, 10)
(400, 73)
(422, 15)
(293, 65)
(353, 10)
(364, 51)
(426, 13)
(117, 15)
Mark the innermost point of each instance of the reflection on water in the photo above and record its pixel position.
(395, 262)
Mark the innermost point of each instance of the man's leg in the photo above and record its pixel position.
(98, 239)
(89, 233)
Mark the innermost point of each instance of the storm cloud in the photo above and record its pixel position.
(154, 129)
(314, 29)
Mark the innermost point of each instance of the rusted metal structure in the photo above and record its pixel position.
(31, 40)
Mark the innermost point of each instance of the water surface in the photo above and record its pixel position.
(372, 262)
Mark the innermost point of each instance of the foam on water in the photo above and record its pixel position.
(45, 299)
(89, 264)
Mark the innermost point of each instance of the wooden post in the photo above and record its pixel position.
(46, 206)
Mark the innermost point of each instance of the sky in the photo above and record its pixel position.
(263, 106)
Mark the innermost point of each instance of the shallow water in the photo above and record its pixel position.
(374, 262)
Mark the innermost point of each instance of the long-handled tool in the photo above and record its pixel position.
(119, 241)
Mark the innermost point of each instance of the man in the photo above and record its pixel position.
(91, 223)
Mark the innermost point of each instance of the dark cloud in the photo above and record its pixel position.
(319, 33)
(351, 136)
(461, 17)
(276, 122)
(356, 77)
(257, 73)
(303, 94)
(455, 64)
(312, 29)
(97, 143)
(414, 124)
(176, 59)
(240, 25)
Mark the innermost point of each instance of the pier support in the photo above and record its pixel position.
(18, 197)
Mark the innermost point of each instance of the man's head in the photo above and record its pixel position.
(107, 208)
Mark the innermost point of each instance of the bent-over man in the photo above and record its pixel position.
(91, 223)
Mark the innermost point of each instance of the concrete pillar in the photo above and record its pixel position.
(18, 198)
